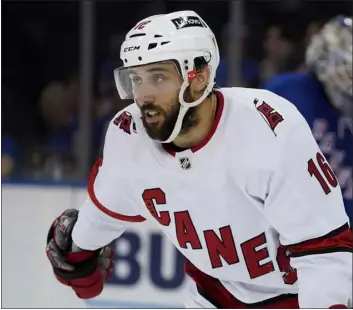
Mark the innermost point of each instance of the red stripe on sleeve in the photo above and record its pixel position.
(90, 188)
(338, 240)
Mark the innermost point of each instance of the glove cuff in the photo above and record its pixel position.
(85, 287)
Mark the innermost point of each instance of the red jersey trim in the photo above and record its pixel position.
(220, 102)
(338, 240)
(90, 189)
(213, 290)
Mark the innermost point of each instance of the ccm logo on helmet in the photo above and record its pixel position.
(131, 48)
(187, 21)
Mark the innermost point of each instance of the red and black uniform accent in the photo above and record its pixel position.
(186, 231)
(221, 247)
(125, 122)
(90, 189)
(158, 195)
(338, 240)
(214, 292)
(253, 256)
(273, 117)
(86, 279)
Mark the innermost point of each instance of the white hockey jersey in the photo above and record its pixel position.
(256, 190)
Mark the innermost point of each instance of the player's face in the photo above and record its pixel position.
(156, 90)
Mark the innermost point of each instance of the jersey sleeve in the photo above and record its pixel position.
(108, 209)
(304, 204)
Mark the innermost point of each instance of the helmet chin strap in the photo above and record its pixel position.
(185, 107)
(178, 124)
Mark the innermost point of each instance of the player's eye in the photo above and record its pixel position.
(136, 80)
(158, 79)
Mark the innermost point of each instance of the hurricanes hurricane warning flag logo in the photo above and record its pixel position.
(272, 117)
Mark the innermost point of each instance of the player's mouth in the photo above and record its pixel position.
(151, 116)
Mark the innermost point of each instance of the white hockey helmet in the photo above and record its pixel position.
(180, 37)
(329, 56)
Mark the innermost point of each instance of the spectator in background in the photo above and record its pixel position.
(296, 61)
(277, 48)
(249, 65)
(108, 103)
(313, 28)
(59, 103)
(9, 157)
(115, 42)
(297, 58)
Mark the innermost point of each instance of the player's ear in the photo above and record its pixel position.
(199, 83)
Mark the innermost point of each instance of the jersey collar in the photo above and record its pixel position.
(220, 102)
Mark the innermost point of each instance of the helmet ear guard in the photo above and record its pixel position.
(199, 63)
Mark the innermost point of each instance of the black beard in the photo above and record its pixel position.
(163, 132)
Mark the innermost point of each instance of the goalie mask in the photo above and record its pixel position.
(181, 39)
(329, 56)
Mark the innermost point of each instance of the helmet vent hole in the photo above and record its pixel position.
(158, 36)
(140, 58)
(200, 63)
(137, 35)
(152, 45)
(166, 42)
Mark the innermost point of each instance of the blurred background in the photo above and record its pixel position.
(57, 83)
(58, 95)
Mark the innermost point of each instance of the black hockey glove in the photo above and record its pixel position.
(84, 271)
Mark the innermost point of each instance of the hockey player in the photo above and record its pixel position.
(232, 176)
(324, 97)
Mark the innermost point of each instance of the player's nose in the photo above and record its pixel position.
(142, 101)
(144, 91)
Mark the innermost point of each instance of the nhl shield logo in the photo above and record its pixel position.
(185, 163)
